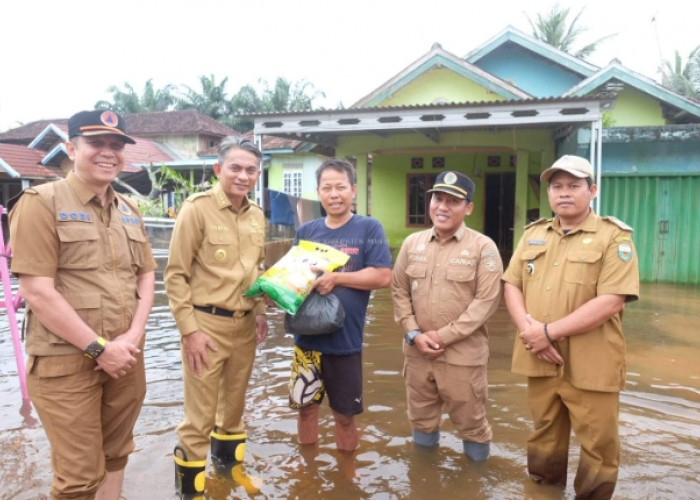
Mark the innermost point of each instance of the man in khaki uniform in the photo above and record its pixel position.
(446, 284)
(566, 287)
(216, 253)
(86, 272)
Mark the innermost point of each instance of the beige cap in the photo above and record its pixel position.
(575, 165)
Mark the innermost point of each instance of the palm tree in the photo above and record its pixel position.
(284, 96)
(128, 101)
(553, 28)
(212, 100)
(684, 80)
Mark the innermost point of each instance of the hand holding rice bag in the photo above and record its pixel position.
(289, 281)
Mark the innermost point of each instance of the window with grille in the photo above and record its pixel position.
(292, 180)
(418, 200)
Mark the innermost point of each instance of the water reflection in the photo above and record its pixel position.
(660, 420)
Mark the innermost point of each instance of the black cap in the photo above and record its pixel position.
(454, 183)
(97, 122)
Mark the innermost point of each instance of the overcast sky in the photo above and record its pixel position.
(59, 57)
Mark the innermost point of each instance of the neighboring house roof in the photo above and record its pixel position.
(20, 161)
(28, 132)
(440, 58)
(49, 137)
(144, 152)
(513, 35)
(185, 122)
(615, 71)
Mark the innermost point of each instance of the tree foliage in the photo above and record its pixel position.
(683, 78)
(555, 29)
(283, 96)
(212, 99)
(128, 101)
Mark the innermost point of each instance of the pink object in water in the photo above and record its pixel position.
(12, 303)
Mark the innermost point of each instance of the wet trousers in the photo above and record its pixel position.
(461, 391)
(88, 417)
(217, 397)
(557, 407)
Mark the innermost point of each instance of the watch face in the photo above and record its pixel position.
(410, 337)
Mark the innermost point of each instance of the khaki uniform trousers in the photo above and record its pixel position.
(218, 396)
(557, 407)
(461, 390)
(88, 417)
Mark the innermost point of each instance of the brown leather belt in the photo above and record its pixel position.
(221, 312)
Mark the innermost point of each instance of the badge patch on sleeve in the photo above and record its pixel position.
(624, 251)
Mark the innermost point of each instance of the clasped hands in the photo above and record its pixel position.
(535, 341)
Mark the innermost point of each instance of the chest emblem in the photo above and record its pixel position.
(530, 267)
(124, 208)
(587, 241)
(220, 255)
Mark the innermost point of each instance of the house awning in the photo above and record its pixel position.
(324, 127)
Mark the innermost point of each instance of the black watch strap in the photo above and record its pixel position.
(95, 348)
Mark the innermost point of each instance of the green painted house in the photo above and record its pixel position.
(502, 114)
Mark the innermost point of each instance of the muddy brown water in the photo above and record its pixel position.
(659, 420)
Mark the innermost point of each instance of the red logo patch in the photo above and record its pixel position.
(109, 118)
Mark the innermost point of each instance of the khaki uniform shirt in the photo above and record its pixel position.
(557, 274)
(216, 253)
(94, 254)
(452, 287)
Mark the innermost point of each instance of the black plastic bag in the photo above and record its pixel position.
(317, 315)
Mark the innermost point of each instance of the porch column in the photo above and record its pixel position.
(522, 184)
(362, 183)
(547, 161)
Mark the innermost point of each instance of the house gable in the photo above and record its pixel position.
(439, 59)
(673, 107)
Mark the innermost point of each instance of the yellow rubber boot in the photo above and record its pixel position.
(227, 449)
(189, 476)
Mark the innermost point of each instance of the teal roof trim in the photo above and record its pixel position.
(8, 169)
(55, 156)
(50, 129)
(616, 71)
(539, 47)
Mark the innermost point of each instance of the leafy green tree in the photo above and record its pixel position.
(683, 78)
(555, 29)
(127, 100)
(283, 96)
(211, 100)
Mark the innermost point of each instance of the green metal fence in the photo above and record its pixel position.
(665, 214)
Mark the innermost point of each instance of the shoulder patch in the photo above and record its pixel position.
(617, 222)
(538, 221)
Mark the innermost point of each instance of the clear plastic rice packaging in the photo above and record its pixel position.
(289, 281)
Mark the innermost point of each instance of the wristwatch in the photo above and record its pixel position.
(95, 348)
(410, 337)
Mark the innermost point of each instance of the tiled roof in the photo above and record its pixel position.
(269, 142)
(144, 151)
(26, 162)
(185, 122)
(27, 133)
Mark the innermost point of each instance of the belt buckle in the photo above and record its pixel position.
(239, 314)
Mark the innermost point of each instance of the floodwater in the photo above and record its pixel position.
(659, 420)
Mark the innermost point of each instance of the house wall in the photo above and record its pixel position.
(187, 145)
(533, 74)
(634, 108)
(309, 163)
(439, 85)
(462, 151)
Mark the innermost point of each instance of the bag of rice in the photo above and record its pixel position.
(289, 281)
